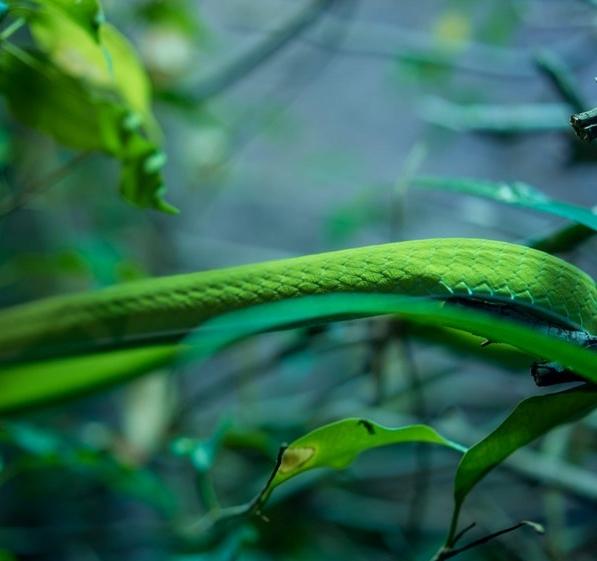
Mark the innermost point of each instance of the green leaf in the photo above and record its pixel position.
(530, 419)
(338, 444)
(516, 194)
(80, 116)
(110, 63)
(31, 384)
(86, 14)
(228, 328)
(59, 378)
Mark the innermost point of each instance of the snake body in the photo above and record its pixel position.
(489, 273)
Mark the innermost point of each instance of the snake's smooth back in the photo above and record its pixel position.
(168, 307)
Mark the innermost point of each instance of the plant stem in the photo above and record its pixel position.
(448, 552)
(11, 29)
(558, 73)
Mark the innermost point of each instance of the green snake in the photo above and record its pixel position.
(501, 277)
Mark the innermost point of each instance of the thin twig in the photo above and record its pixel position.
(560, 77)
(20, 199)
(448, 553)
(249, 61)
(460, 534)
(222, 517)
(261, 498)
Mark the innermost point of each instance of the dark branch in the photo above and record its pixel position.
(585, 124)
(447, 553)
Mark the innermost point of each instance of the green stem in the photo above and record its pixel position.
(11, 29)
(207, 492)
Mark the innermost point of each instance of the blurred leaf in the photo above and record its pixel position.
(497, 119)
(64, 377)
(41, 95)
(228, 328)
(338, 444)
(562, 240)
(86, 14)
(42, 449)
(531, 418)
(111, 64)
(516, 194)
(30, 439)
(61, 378)
(499, 23)
(202, 452)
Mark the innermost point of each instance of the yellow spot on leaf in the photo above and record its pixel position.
(294, 458)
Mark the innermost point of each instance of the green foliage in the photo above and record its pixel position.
(70, 472)
(338, 444)
(516, 194)
(55, 379)
(531, 419)
(86, 14)
(231, 327)
(58, 378)
(40, 449)
(84, 86)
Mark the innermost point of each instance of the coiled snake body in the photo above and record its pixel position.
(495, 275)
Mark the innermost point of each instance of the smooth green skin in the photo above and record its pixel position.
(165, 309)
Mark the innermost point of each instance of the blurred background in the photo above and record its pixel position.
(293, 128)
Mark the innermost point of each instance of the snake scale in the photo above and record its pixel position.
(495, 275)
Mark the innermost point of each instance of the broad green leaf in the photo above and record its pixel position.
(231, 327)
(36, 383)
(41, 95)
(516, 194)
(86, 14)
(111, 64)
(530, 419)
(338, 444)
(58, 378)
(496, 119)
